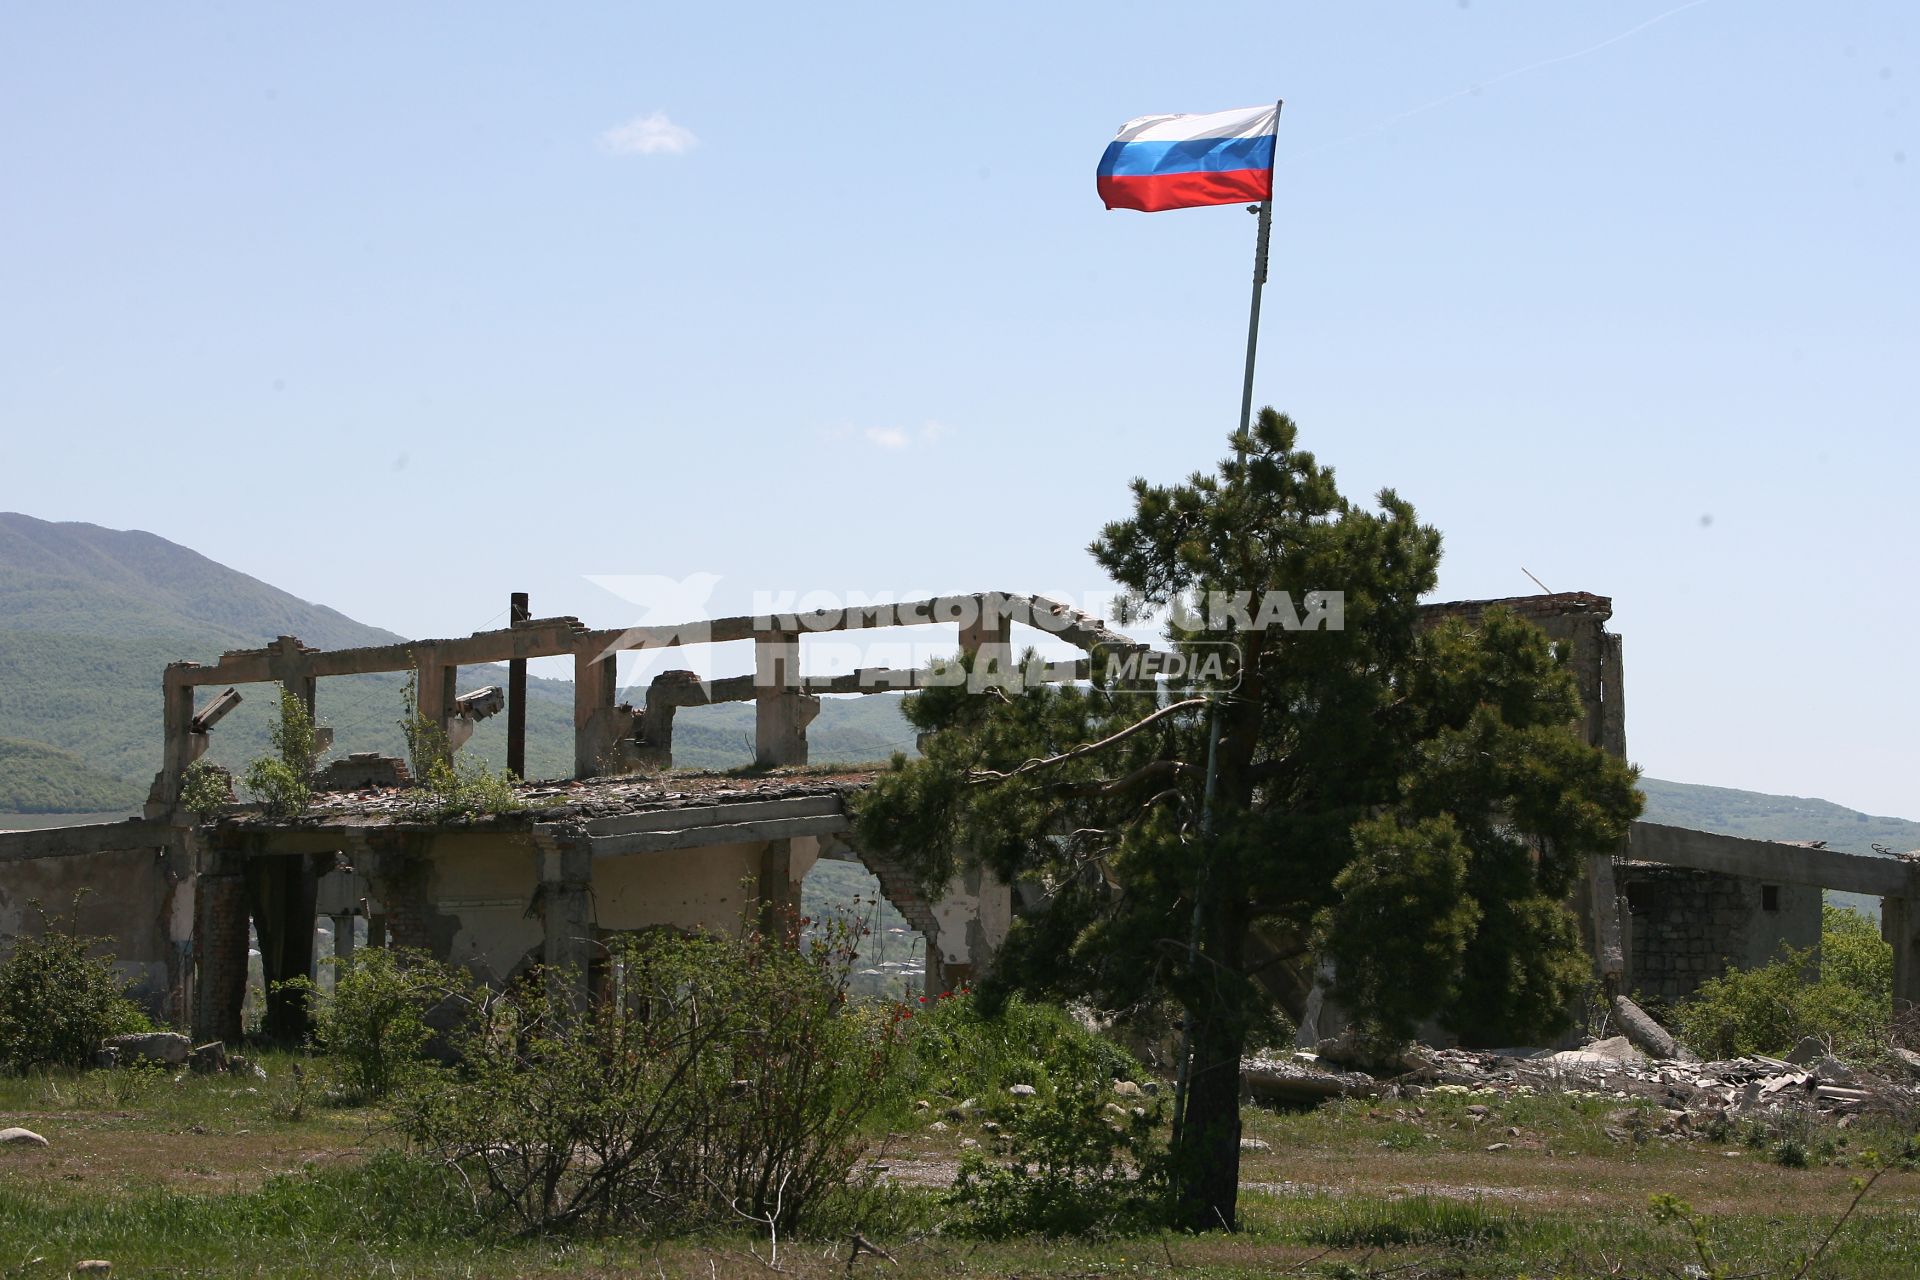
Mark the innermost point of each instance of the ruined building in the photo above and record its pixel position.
(621, 846)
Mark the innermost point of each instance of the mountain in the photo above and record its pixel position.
(89, 617)
(73, 579)
(1764, 817)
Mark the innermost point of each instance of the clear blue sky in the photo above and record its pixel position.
(403, 310)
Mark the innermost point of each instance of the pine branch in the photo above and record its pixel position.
(1107, 786)
(992, 775)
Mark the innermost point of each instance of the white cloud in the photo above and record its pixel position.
(898, 438)
(653, 135)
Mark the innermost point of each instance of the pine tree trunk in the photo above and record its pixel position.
(1209, 1155)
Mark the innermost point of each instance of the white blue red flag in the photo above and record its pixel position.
(1179, 162)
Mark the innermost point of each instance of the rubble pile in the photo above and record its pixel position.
(1810, 1079)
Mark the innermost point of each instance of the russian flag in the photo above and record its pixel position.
(1180, 162)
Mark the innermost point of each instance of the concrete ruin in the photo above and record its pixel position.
(622, 846)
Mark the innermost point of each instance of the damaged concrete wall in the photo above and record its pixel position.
(129, 899)
(482, 890)
(486, 885)
(1688, 926)
(972, 919)
(709, 888)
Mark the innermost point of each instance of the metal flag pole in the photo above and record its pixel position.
(1259, 279)
(1183, 1080)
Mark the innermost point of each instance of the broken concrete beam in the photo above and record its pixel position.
(211, 714)
(481, 703)
(1646, 1034)
(1282, 1082)
(1768, 860)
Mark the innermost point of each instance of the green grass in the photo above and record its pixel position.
(295, 1223)
(1417, 1220)
(180, 1176)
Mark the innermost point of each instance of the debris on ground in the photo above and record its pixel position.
(1611, 1068)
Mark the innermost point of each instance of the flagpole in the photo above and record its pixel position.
(1183, 1079)
(1253, 313)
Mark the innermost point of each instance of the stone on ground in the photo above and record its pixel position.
(169, 1047)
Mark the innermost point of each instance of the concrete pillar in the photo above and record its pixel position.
(182, 915)
(781, 711)
(1613, 698)
(1900, 926)
(306, 689)
(1598, 900)
(1604, 905)
(434, 695)
(1589, 659)
(664, 699)
(289, 663)
(376, 929)
(343, 939)
(779, 892)
(595, 684)
(181, 745)
(988, 636)
(566, 910)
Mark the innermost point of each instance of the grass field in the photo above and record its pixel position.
(266, 1177)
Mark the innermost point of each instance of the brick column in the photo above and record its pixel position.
(398, 878)
(219, 948)
(282, 891)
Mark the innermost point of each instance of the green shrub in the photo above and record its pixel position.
(374, 1023)
(958, 1049)
(283, 781)
(1069, 1169)
(465, 788)
(1770, 1009)
(58, 999)
(714, 1083)
(205, 790)
(451, 786)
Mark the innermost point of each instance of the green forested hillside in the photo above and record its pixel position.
(81, 579)
(37, 778)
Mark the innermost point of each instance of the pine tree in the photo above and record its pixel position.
(1410, 804)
